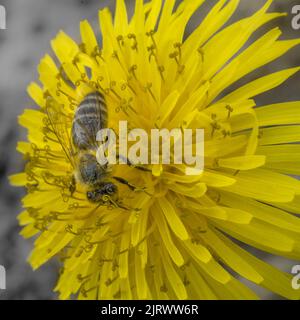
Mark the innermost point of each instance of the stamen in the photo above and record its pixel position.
(132, 70)
(83, 79)
(214, 195)
(93, 84)
(98, 54)
(115, 55)
(41, 226)
(132, 36)
(178, 46)
(59, 91)
(151, 34)
(110, 281)
(215, 126)
(117, 295)
(80, 278)
(176, 55)
(152, 53)
(186, 282)
(62, 74)
(152, 268)
(164, 288)
(148, 88)
(32, 187)
(33, 212)
(99, 80)
(30, 174)
(120, 40)
(75, 63)
(225, 133)
(84, 291)
(161, 70)
(216, 163)
(230, 110)
(200, 230)
(69, 229)
(82, 47)
(131, 88)
(115, 265)
(103, 260)
(112, 85)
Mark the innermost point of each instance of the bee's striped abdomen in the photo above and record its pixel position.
(90, 117)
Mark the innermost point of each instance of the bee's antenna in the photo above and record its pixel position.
(121, 206)
(131, 186)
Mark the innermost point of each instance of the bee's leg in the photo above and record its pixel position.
(72, 185)
(139, 167)
(130, 186)
(119, 204)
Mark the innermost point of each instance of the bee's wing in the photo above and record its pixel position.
(60, 123)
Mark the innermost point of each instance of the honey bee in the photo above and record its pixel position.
(90, 117)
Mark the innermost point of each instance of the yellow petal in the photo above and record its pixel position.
(264, 185)
(231, 258)
(278, 135)
(274, 279)
(121, 20)
(166, 236)
(243, 162)
(173, 219)
(88, 37)
(260, 85)
(261, 211)
(174, 279)
(279, 114)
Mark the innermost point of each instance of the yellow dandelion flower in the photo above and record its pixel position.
(172, 238)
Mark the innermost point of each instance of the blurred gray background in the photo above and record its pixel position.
(31, 24)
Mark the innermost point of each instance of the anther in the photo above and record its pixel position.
(161, 70)
(178, 46)
(80, 278)
(32, 187)
(186, 282)
(164, 288)
(120, 40)
(230, 110)
(152, 268)
(110, 281)
(132, 36)
(132, 70)
(115, 55)
(174, 55)
(69, 229)
(151, 51)
(215, 126)
(98, 53)
(216, 163)
(46, 94)
(148, 88)
(151, 34)
(117, 295)
(82, 47)
(181, 69)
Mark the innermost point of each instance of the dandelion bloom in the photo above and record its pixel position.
(177, 240)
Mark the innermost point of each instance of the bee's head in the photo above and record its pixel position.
(103, 192)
